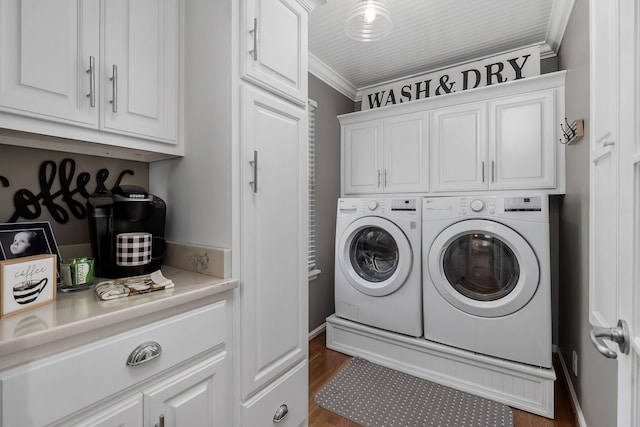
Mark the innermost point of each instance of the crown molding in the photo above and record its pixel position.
(332, 78)
(560, 14)
(309, 5)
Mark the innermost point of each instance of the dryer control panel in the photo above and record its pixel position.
(523, 204)
(531, 208)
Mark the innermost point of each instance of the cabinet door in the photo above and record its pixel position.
(197, 397)
(127, 413)
(362, 164)
(406, 154)
(274, 47)
(140, 68)
(45, 51)
(523, 142)
(459, 148)
(273, 225)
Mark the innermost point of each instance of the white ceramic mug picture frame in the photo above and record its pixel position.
(26, 283)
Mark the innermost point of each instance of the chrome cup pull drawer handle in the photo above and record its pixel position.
(281, 413)
(143, 353)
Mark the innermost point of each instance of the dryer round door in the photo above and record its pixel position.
(484, 268)
(375, 256)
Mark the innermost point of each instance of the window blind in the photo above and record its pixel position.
(313, 271)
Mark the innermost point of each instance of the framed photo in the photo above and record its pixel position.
(21, 239)
(27, 282)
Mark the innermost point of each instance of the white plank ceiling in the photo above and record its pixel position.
(429, 35)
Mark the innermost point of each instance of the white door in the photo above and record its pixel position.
(484, 268)
(194, 397)
(273, 254)
(140, 68)
(406, 153)
(459, 148)
(46, 49)
(274, 40)
(362, 162)
(523, 146)
(614, 290)
(375, 256)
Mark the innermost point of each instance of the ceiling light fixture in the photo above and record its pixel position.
(369, 20)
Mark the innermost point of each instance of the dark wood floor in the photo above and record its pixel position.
(325, 363)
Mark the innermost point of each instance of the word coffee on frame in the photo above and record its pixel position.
(511, 66)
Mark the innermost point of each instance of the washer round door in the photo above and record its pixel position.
(375, 256)
(484, 268)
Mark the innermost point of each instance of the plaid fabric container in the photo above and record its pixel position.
(133, 249)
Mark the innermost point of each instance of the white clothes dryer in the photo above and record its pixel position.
(486, 275)
(378, 263)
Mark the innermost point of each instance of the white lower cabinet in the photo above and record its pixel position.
(186, 384)
(194, 398)
(284, 402)
(125, 413)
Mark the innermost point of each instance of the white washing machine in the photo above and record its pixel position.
(378, 263)
(486, 275)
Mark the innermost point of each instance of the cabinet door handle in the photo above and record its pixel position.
(493, 171)
(254, 164)
(144, 352)
(114, 79)
(160, 422)
(483, 172)
(379, 177)
(92, 81)
(386, 177)
(254, 33)
(281, 413)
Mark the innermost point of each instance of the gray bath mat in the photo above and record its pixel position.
(375, 396)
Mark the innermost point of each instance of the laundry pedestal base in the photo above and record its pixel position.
(520, 386)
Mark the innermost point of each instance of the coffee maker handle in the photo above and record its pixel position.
(158, 254)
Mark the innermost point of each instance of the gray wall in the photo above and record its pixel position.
(20, 166)
(595, 384)
(330, 104)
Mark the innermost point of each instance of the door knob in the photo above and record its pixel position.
(619, 334)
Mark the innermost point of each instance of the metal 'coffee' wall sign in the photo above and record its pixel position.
(28, 205)
(498, 69)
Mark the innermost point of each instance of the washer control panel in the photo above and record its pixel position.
(399, 207)
(533, 208)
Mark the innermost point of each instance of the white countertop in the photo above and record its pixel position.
(80, 317)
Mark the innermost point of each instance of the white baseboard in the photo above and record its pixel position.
(317, 331)
(574, 398)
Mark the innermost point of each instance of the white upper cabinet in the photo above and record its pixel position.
(507, 143)
(459, 148)
(92, 70)
(497, 138)
(362, 157)
(523, 142)
(139, 72)
(46, 49)
(386, 156)
(406, 153)
(274, 47)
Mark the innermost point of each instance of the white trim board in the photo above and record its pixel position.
(572, 392)
(520, 386)
(317, 331)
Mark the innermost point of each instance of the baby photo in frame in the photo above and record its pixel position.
(22, 239)
(27, 282)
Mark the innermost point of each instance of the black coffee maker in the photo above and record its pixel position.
(126, 226)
